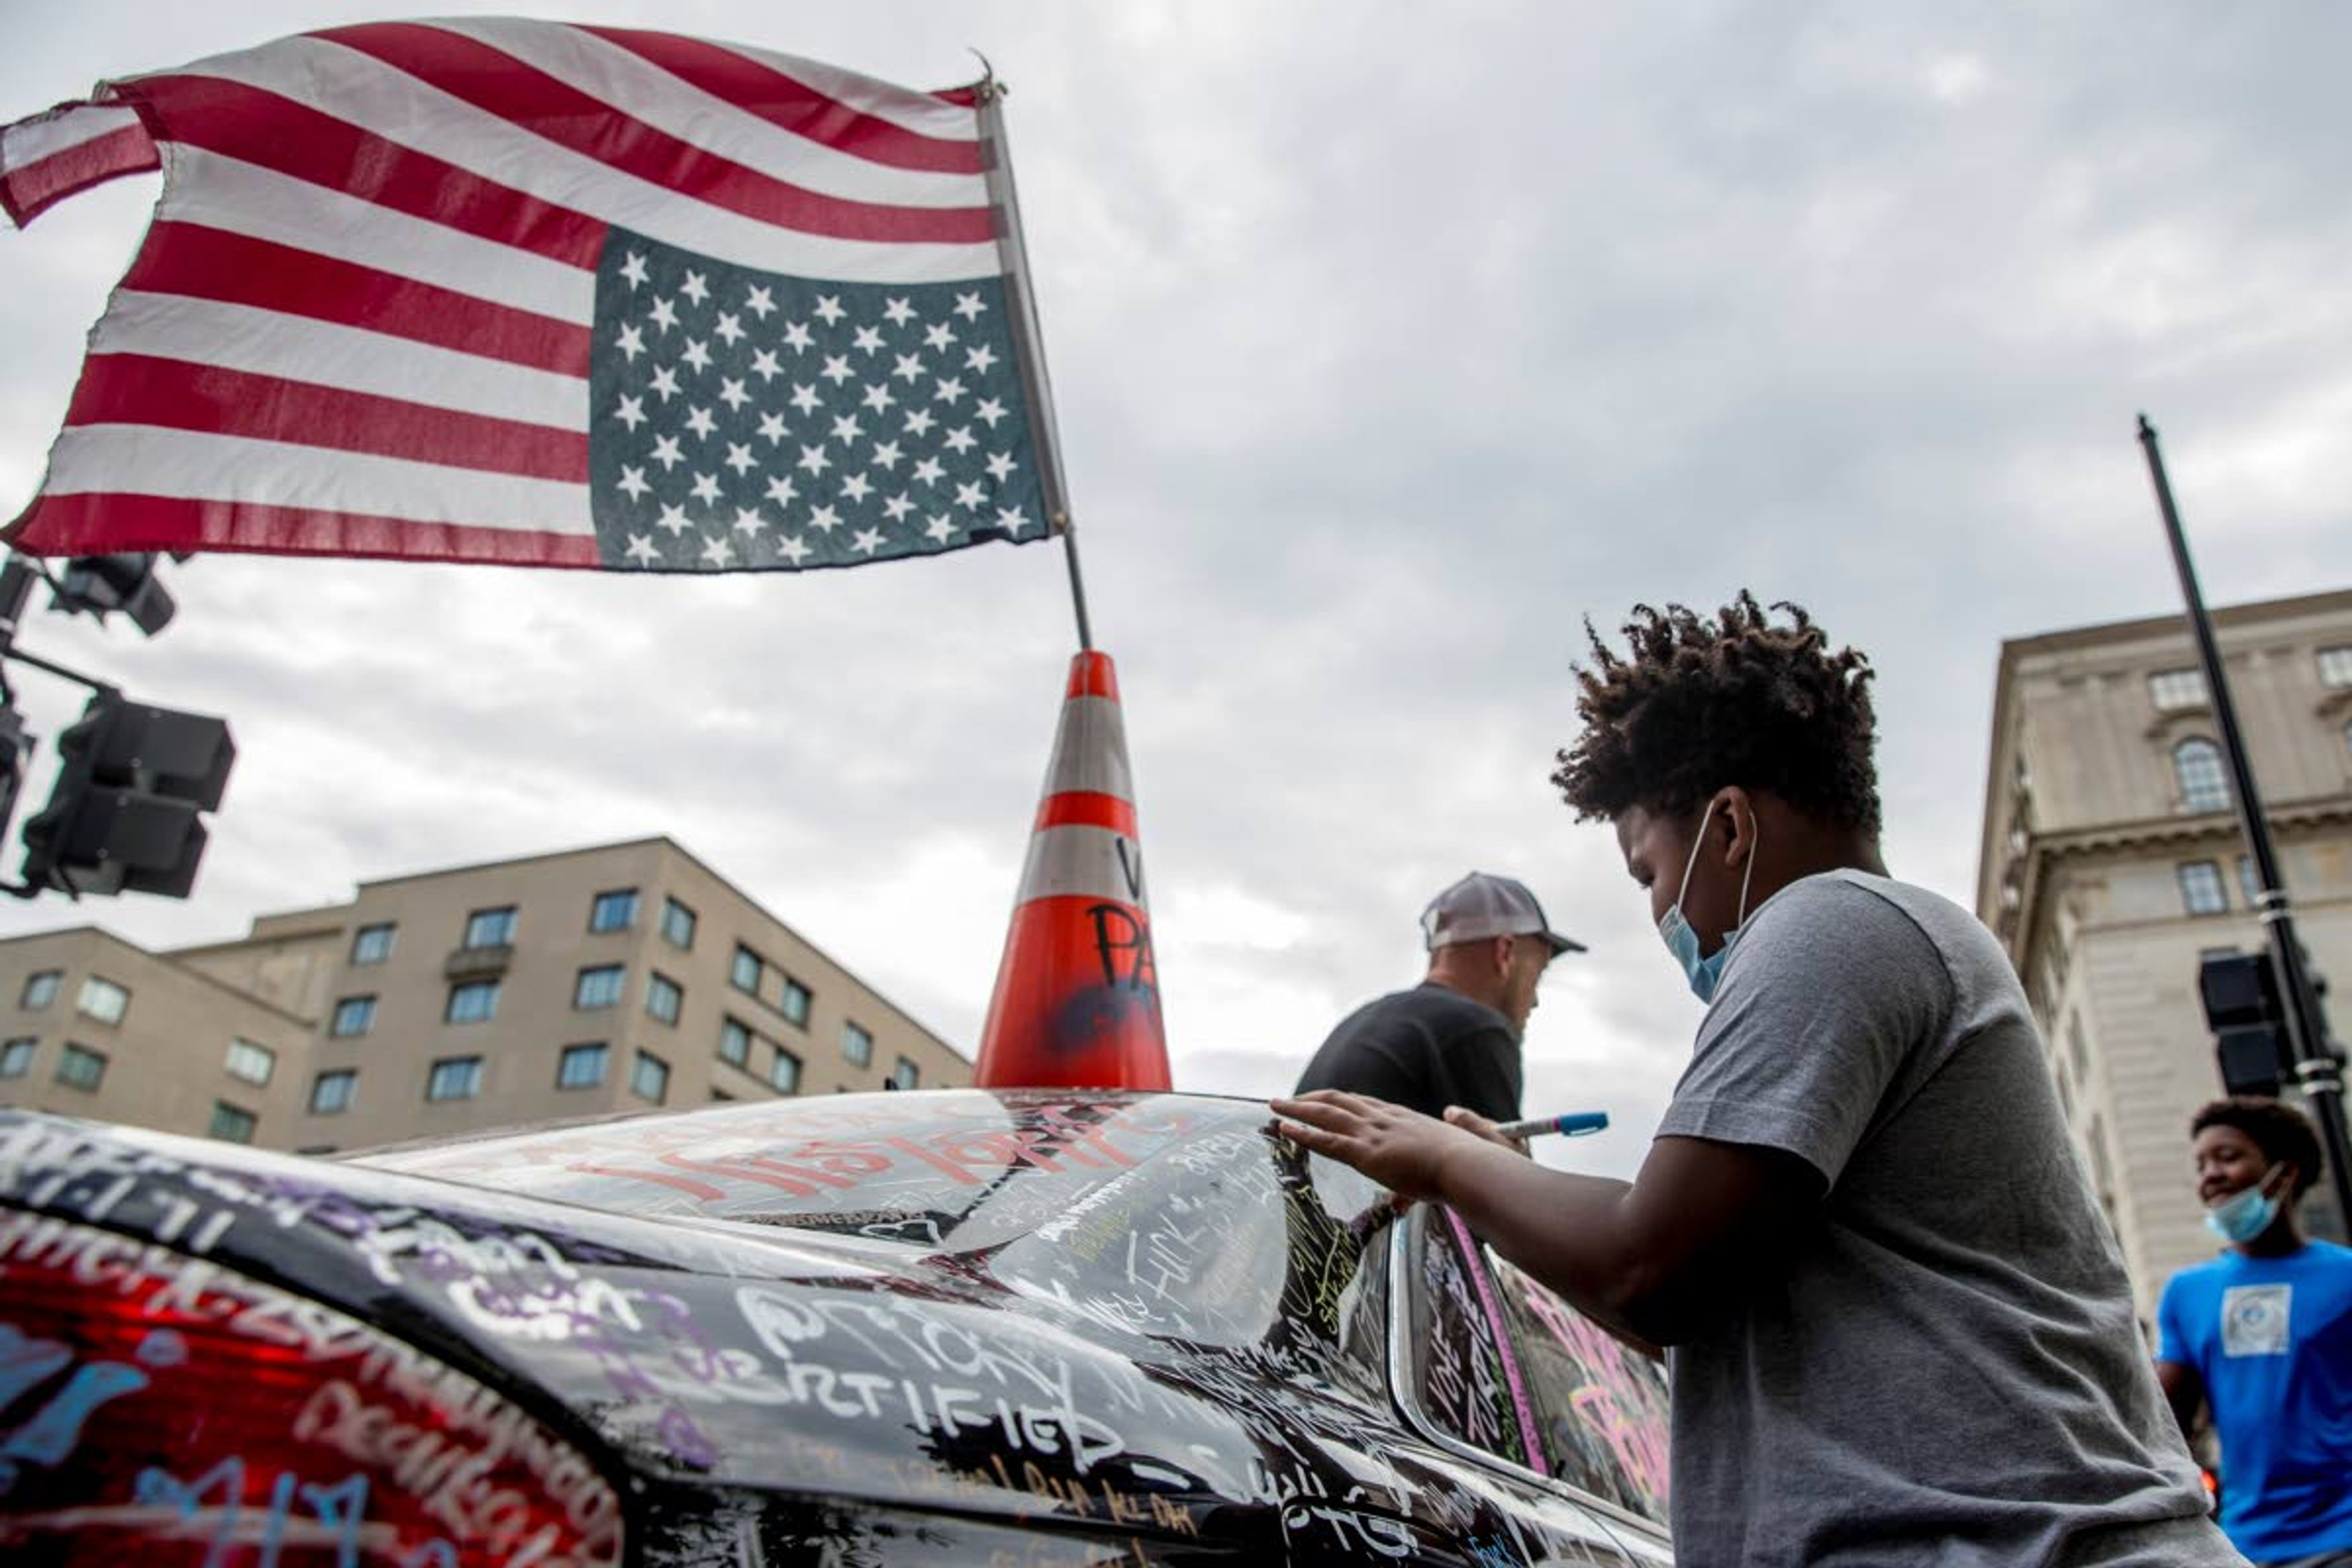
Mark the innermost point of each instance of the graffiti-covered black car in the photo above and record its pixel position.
(1007, 1330)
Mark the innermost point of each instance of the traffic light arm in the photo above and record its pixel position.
(18, 656)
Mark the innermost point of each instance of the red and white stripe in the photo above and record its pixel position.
(361, 321)
(1083, 844)
(49, 157)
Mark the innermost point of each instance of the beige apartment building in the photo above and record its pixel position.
(93, 1025)
(589, 981)
(2112, 861)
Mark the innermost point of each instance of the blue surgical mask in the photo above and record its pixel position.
(1705, 974)
(2241, 1217)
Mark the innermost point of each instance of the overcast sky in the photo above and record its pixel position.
(1389, 342)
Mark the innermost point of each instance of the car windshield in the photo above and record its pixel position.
(1157, 1213)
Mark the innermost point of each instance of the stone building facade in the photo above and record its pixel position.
(2111, 862)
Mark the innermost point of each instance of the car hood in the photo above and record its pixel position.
(995, 1370)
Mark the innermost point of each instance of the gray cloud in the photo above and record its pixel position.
(1386, 348)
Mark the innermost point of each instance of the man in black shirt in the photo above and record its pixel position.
(1453, 1039)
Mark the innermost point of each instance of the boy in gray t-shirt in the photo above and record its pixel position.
(1899, 1326)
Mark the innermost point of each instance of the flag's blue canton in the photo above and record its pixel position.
(750, 421)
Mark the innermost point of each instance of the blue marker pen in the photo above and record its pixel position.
(1574, 1125)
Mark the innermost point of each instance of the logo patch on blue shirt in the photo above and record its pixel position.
(2254, 1318)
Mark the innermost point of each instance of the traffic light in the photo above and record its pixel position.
(2242, 1007)
(101, 584)
(123, 815)
(15, 745)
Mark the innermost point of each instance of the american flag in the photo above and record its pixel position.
(527, 293)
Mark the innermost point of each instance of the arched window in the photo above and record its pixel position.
(2197, 764)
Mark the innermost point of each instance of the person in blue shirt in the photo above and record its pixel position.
(2263, 1337)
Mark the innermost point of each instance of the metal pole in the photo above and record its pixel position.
(2316, 1070)
(1078, 586)
(1028, 339)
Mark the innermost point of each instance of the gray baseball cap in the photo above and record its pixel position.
(1481, 906)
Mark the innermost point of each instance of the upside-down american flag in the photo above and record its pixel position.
(527, 293)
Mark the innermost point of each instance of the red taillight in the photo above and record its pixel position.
(158, 1409)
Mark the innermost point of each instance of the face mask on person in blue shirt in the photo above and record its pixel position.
(2241, 1217)
(1704, 973)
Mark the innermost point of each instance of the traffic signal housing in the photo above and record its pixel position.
(125, 814)
(2240, 991)
(16, 746)
(99, 584)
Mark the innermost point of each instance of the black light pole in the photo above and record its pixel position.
(2316, 1071)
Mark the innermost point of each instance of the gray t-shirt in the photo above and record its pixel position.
(1947, 1371)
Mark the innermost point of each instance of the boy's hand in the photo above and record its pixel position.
(1470, 1121)
(1402, 1150)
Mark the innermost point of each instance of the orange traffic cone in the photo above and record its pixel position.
(1078, 995)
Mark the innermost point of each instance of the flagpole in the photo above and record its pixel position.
(1028, 339)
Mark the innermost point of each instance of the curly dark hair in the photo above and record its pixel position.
(1704, 703)
(2283, 1133)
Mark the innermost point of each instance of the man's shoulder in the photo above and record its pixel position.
(1436, 1005)
(1847, 917)
(1846, 891)
(2202, 1273)
(2325, 1258)
(2198, 1281)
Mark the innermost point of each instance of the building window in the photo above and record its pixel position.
(796, 1003)
(857, 1045)
(744, 973)
(373, 945)
(2174, 689)
(490, 928)
(600, 986)
(664, 998)
(80, 1067)
(251, 1062)
(40, 990)
(785, 1072)
(103, 1000)
(331, 1092)
(2335, 667)
(905, 1074)
(472, 1002)
(734, 1042)
(2248, 883)
(649, 1078)
(455, 1077)
(582, 1067)
(616, 910)
(17, 1058)
(2201, 892)
(354, 1015)
(676, 924)
(2204, 786)
(233, 1122)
